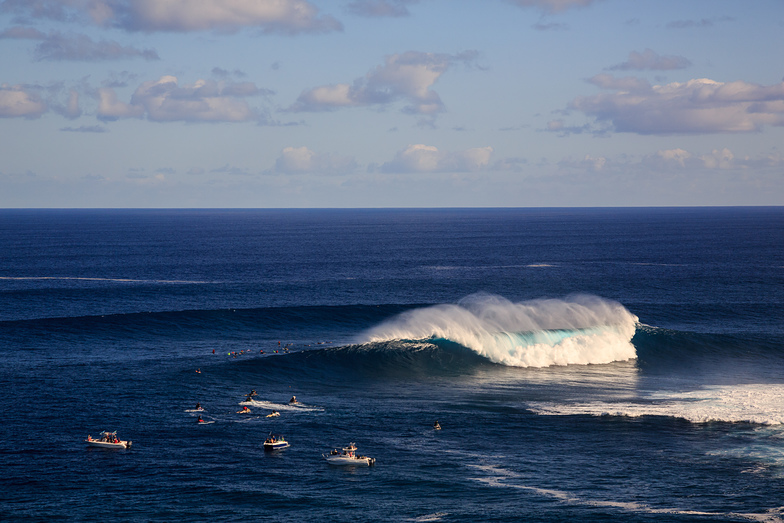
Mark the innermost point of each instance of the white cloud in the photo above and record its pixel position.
(696, 106)
(287, 16)
(719, 159)
(677, 157)
(426, 158)
(327, 96)
(299, 160)
(164, 100)
(110, 108)
(205, 100)
(553, 6)
(408, 76)
(651, 60)
(284, 16)
(18, 101)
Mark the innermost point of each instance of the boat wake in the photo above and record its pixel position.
(269, 405)
(540, 333)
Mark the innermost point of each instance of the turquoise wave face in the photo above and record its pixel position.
(538, 333)
(550, 337)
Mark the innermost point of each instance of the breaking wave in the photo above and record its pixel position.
(539, 333)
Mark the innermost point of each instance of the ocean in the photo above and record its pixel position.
(584, 364)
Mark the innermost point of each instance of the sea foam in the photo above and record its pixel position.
(744, 403)
(539, 333)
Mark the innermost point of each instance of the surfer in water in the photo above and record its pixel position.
(293, 400)
(436, 425)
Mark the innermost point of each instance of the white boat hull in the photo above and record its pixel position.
(340, 460)
(108, 444)
(276, 446)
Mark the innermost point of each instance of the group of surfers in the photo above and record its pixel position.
(245, 409)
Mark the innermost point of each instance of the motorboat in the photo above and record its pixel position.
(349, 456)
(275, 442)
(107, 440)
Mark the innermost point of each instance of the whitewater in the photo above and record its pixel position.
(536, 333)
(756, 403)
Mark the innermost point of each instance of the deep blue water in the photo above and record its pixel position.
(585, 364)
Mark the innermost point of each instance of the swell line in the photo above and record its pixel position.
(80, 278)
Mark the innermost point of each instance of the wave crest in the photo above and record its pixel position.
(539, 333)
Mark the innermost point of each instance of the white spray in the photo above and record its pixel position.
(539, 333)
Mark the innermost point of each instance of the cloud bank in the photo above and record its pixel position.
(164, 100)
(271, 16)
(677, 160)
(55, 46)
(697, 106)
(408, 76)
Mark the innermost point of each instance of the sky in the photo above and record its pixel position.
(391, 103)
